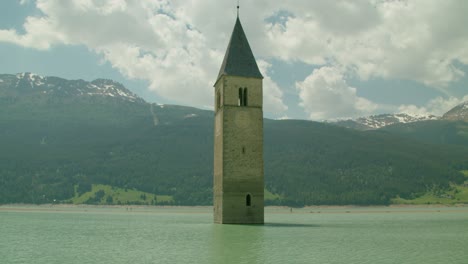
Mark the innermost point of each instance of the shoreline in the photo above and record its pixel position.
(210, 206)
(316, 209)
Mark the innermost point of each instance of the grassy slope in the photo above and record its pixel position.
(270, 196)
(129, 196)
(456, 194)
(132, 196)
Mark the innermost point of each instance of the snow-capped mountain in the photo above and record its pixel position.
(458, 113)
(379, 121)
(35, 85)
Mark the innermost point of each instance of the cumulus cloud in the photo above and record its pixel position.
(326, 95)
(416, 40)
(437, 106)
(178, 45)
(150, 40)
(272, 94)
(40, 34)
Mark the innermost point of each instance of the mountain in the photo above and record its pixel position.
(59, 137)
(458, 113)
(451, 129)
(29, 84)
(379, 121)
(435, 132)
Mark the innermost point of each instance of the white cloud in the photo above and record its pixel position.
(178, 45)
(437, 106)
(40, 34)
(417, 40)
(172, 44)
(142, 39)
(272, 94)
(285, 117)
(325, 95)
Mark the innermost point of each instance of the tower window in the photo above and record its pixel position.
(248, 199)
(242, 97)
(243, 150)
(245, 96)
(218, 101)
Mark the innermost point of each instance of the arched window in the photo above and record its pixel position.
(248, 199)
(242, 101)
(218, 101)
(245, 96)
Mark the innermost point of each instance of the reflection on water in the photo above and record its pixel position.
(237, 243)
(187, 235)
(289, 225)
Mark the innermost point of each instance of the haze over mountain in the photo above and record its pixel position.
(59, 137)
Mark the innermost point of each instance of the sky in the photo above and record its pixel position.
(321, 59)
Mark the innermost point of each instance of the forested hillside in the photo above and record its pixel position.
(321, 164)
(434, 131)
(55, 145)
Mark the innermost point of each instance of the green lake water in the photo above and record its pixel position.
(43, 235)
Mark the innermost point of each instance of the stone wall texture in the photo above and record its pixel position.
(238, 152)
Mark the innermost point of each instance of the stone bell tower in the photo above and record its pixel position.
(238, 136)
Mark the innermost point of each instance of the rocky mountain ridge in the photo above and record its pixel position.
(378, 121)
(458, 113)
(30, 84)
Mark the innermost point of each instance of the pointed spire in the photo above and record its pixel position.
(239, 59)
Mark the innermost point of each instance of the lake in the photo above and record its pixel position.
(86, 234)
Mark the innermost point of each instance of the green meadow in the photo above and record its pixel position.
(455, 194)
(101, 194)
(106, 194)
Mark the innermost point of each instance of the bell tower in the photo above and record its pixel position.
(238, 136)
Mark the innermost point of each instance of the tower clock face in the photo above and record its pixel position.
(242, 119)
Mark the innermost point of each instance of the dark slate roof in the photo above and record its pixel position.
(239, 59)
